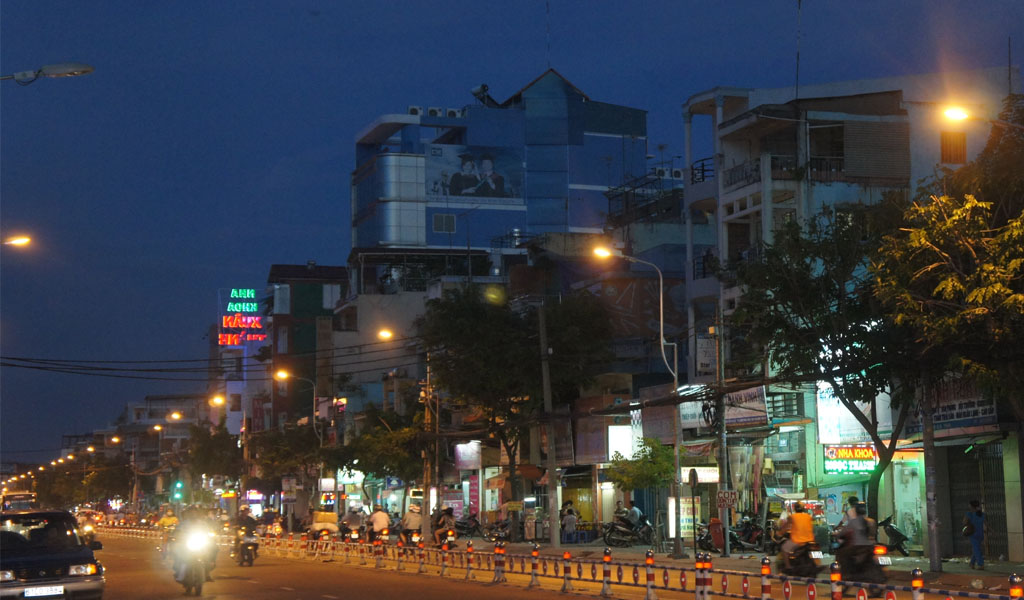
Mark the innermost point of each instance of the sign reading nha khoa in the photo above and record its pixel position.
(850, 459)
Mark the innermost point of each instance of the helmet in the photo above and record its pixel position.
(414, 507)
(243, 508)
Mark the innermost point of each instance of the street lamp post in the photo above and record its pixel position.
(50, 71)
(956, 113)
(677, 541)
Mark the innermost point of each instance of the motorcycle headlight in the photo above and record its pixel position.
(81, 570)
(197, 541)
(87, 528)
(6, 575)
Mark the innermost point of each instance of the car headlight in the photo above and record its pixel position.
(86, 569)
(197, 541)
(6, 575)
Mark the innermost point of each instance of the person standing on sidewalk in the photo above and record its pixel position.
(974, 529)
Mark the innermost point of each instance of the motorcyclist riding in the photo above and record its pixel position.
(445, 521)
(379, 521)
(411, 523)
(800, 526)
(192, 520)
(245, 521)
(352, 520)
(858, 542)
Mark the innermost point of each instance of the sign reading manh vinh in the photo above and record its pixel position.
(850, 459)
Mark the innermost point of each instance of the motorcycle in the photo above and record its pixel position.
(704, 541)
(192, 558)
(469, 526)
(88, 533)
(897, 539)
(498, 531)
(246, 547)
(864, 564)
(619, 533)
(804, 561)
(771, 540)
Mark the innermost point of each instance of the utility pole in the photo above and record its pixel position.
(428, 467)
(555, 525)
(723, 448)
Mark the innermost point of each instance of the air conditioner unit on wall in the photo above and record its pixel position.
(415, 110)
(435, 111)
(661, 171)
(677, 173)
(453, 113)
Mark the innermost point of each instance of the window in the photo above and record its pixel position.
(954, 147)
(444, 223)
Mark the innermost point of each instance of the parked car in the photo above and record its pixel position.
(41, 554)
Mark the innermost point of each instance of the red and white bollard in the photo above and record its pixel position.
(499, 563)
(835, 577)
(469, 560)
(444, 558)
(566, 572)
(606, 573)
(649, 565)
(708, 584)
(423, 555)
(400, 554)
(766, 583)
(916, 583)
(1016, 590)
(534, 554)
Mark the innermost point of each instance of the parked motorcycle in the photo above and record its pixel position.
(804, 561)
(498, 531)
(897, 539)
(620, 533)
(246, 547)
(704, 541)
(469, 526)
(772, 539)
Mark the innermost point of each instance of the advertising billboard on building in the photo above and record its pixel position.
(837, 425)
(745, 408)
(241, 317)
(960, 408)
(477, 172)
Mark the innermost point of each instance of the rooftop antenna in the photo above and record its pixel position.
(547, 10)
(796, 88)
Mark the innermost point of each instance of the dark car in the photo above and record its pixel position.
(42, 556)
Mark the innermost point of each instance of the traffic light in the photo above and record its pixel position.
(178, 485)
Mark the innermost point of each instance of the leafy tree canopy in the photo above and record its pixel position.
(651, 466)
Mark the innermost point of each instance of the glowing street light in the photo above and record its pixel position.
(90, 449)
(158, 427)
(175, 416)
(50, 71)
(385, 334)
(217, 401)
(18, 240)
(606, 253)
(71, 457)
(115, 440)
(958, 113)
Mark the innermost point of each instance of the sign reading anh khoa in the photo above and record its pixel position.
(237, 323)
(850, 459)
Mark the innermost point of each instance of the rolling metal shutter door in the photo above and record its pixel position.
(978, 476)
(877, 151)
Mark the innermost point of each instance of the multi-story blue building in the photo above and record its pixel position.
(434, 186)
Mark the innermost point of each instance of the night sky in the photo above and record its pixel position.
(217, 138)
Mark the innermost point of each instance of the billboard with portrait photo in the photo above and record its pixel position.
(454, 172)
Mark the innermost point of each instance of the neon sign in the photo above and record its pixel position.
(850, 459)
(237, 328)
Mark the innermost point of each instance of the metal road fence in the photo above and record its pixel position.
(495, 565)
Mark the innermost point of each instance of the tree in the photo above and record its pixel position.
(652, 465)
(808, 305)
(484, 355)
(213, 452)
(293, 450)
(955, 276)
(108, 477)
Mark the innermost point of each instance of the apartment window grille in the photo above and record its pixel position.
(954, 147)
(444, 223)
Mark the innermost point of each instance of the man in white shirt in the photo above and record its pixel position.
(379, 521)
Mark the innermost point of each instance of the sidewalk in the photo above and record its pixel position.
(956, 572)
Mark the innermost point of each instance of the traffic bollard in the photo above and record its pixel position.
(469, 560)
(916, 583)
(649, 565)
(566, 572)
(534, 553)
(834, 577)
(399, 555)
(698, 576)
(444, 559)
(423, 555)
(362, 552)
(606, 573)
(499, 563)
(766, 582)
(709, 586)
(1016, 590)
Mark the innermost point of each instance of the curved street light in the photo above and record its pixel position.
(18, 240)
(605, 253)
(283, 375)
(57, 70)
(958, 113)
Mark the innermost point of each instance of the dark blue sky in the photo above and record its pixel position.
(216, 138)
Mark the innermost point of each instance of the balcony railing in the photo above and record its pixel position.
(702, 170)
(826, 168)
(743, 174)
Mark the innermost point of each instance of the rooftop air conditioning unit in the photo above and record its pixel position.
(661, 171)
(677, 173)
(415, 110)
(435, 111)
(453, 113)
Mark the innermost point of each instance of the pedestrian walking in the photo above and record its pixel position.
(974, 529)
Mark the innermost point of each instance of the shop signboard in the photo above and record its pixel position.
(837, 425)
(476, 173)
(705, 474)
(690, 512)
(745, 408)
(467, 456)
(850, 459)
(288, 497)
(960, 408)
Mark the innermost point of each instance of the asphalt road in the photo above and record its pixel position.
(135, 570)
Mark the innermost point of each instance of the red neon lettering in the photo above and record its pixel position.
(240, 321)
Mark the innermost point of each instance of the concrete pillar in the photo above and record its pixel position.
(688, 145)
(767, 206)
(1013, 484)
